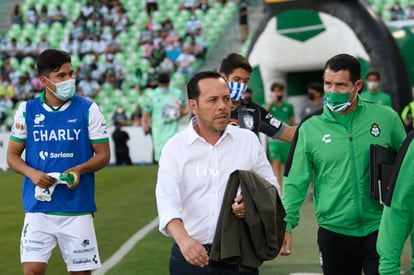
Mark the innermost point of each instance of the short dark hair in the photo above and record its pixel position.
(278, 85)
(377, 74)
(193, 90)
(163, 78)
(51, 60)
(317, 87)
(234, 61)
(345, 62)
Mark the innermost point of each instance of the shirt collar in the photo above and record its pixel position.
(193, 136)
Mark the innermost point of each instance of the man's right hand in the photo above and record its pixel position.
(287, 244)
(41, 179)
(194, 252)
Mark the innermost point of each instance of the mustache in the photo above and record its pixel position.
(223, 113)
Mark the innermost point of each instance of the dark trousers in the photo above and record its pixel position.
(347, 255)
(179, 266)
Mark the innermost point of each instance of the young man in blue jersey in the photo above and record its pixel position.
(62, 134)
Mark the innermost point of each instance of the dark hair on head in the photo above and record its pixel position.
(377, 74)
(345, 62)
(317, 87)
(51, 60)
(278, 85)
(193, 90)
(234, 61)
(163, 78)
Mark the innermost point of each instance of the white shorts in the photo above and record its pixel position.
(74, 234)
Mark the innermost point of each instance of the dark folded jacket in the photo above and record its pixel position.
(258, 237)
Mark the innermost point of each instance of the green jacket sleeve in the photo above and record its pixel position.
(398, 219)
(296, 180)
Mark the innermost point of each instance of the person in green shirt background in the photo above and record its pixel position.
(397, 221)
(284, 111)
(373, 93)
(162, 112)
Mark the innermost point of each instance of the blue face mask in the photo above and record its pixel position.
(237, 90)
(65, 90)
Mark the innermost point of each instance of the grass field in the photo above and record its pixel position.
(126, 203)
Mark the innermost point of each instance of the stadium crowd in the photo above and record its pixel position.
(113, 53)
(118, 48)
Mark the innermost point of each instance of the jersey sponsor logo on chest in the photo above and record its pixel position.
(56, 135)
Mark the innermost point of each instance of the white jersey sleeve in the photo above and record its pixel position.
(98, 130)
(19, 127)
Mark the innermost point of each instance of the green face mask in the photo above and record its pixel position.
(337, 102)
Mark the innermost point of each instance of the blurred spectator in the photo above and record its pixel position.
(157, 54)
(203, 5)
(152, 78)
(119, 116)
(99, 46)
(145, 35)
(373, 92)
(5, 105)
(87, 10)
(315, 95)
(192, 25)
(121, 20)
(142, 95)
(185, 62)
(43, 44)
(136, 116)
(120, 76)
(13, 49)
(88, 87)
(70, 45)
(148, 47)
(23, 90)
(197, 49)
(43, 16)
(6, 88)
(407, 116)
(189, 5)
(409, 13)
(163, 110)
(172, 50)
(31, 15)
(243, 20)
(36, 83)
(397, 12)
(6, 68)
(93, 25)
(113, 44)
(248, 96)
(167, 66)
(78, 29)
(151, 5)
(29, 48)
(58, 15)
(167, 25)
(17, 16)
(86, 45)
(120, 138)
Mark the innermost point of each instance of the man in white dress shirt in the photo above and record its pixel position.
(194, 168)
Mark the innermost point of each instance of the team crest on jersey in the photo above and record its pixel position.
(248, 121)
(375, 130)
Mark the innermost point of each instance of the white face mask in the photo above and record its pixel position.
(65, 90)
(372, 85)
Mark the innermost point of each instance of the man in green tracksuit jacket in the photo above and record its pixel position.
(398, 219)
(333, 148)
